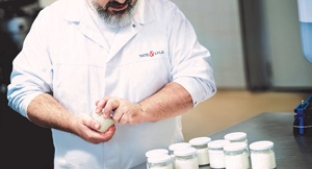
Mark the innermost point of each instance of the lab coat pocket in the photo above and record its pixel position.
(145, 76)
(137, 79)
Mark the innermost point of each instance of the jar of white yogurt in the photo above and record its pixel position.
(216, 153)
(186, 158)
(156, 152)
(163, 161)
(179, 145)
(201, 145)
(262, 155)
(105, 123)
(238, 137)
(236, 156)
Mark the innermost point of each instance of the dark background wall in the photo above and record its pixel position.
(22, 144)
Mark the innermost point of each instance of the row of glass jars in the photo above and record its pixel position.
(231, 152)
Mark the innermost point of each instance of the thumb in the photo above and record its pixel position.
(96, 125)
(92, 122)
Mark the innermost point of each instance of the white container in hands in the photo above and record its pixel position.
(104, 122)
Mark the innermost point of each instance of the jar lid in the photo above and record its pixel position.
(159, 159)
(261, 145)
(155, 152)
(185, 151)
(200, 141)
(217, 144)
(180, 145)
(235, 136)
(235, 147)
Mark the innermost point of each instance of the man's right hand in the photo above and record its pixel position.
(86, 127)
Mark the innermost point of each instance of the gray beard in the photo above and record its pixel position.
(118, 19)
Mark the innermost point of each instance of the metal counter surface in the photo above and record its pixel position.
(290, 151)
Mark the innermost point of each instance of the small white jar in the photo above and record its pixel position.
(179, 145)
(262, 155)
(163, 161)
(201, 145)
(216, 153)
(186, 158)
(104, 122)
(239, 137)
(236, 156)
(156, 152)
(236, 137)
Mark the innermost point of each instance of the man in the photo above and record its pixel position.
(138, 60)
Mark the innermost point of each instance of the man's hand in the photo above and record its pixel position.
(124, 112)
(86, 127)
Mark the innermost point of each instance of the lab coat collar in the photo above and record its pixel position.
(144, 16)
(79, 15)
(145, 12)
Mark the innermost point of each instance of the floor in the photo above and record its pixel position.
(228, 107)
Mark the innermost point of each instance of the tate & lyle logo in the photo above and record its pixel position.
(152, 53)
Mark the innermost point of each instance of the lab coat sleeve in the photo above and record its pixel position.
(31, 74)
(191, 62)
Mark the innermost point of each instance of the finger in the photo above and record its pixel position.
(123, 119)
(109, 133)
(98, 137)
(110, 106)
(111, 129)
(100, 104)
(117, 115)
(92, 124)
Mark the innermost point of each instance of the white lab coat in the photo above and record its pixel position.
(65, 54)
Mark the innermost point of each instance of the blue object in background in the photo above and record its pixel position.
(302, 124)
(305, 18)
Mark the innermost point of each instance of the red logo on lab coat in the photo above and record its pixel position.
(151, 54)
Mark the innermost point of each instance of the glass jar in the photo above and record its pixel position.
(236, 137)
(179, 145)
(163, 161)
(216, 153)
(201, 145)
(236, 156)
(239, 137)
(156, 152)
(105, 123)
(262, 155)
(186, 158)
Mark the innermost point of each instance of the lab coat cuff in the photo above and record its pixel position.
(194, 87)
(26, 102)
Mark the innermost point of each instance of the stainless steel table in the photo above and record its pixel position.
(290, 151)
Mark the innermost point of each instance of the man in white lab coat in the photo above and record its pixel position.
(139, 59)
